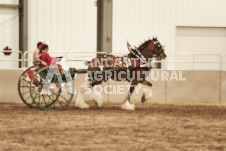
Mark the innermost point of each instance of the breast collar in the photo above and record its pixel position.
(136, 53)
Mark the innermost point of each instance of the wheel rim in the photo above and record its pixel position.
(24, 89)
(53, 99)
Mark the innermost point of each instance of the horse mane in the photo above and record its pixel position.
(143, 45)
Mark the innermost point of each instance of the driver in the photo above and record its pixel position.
(46, 57)
(37, 54)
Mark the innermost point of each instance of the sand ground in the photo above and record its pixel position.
(149, 127)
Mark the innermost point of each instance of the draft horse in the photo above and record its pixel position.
(134, 68)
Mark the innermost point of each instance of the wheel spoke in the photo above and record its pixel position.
(44, 99)
(27, 98)
(60, 103)
(47, 100)
(67, 93)
(64, 98)
(25, 80)
(26, 92)
(50, 98)
(54, 94)
(54, 105)
(25, 86)
(39, 99)
(35, 95)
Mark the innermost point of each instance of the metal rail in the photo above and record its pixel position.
(194, 61)
(26, 58)
(12, 57)
(10, 6)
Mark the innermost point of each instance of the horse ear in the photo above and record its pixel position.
(156, 38)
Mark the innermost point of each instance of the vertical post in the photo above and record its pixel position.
(193, 63)
(104, 25)
(221, 70)
(23, 27)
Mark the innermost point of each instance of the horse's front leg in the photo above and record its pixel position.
(96, 96)
(147, 91)
(128, 105)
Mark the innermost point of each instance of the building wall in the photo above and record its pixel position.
(62, 23)
(197, 88)
(9, 33)
(65, 25)
(70, 25)
(136, 20)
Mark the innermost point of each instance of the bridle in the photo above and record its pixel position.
(160, 49)
(137, 53)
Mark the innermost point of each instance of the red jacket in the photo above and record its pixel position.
(46, 58)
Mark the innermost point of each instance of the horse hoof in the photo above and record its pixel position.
(80, 102)
(127, 106)
(82, 105)
(85, 106)
(98, 98)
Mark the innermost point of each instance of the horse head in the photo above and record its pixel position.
(161, 51)
(151, 47)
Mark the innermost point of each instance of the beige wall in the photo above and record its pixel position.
(223, 87)
(199, 87)
(8, 85)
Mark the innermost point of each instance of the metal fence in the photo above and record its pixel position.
(10, 59)
(191, 61)
(177, 61)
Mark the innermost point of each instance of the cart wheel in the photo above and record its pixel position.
(24, 86)
(48, 93)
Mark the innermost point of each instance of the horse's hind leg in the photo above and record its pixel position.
(147, 91)
(80, 102)
(97, 96)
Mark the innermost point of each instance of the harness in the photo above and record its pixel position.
(137, 54)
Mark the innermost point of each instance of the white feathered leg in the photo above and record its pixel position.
(98, 98)
(147, 93)
(127, 105)
(80, 101)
